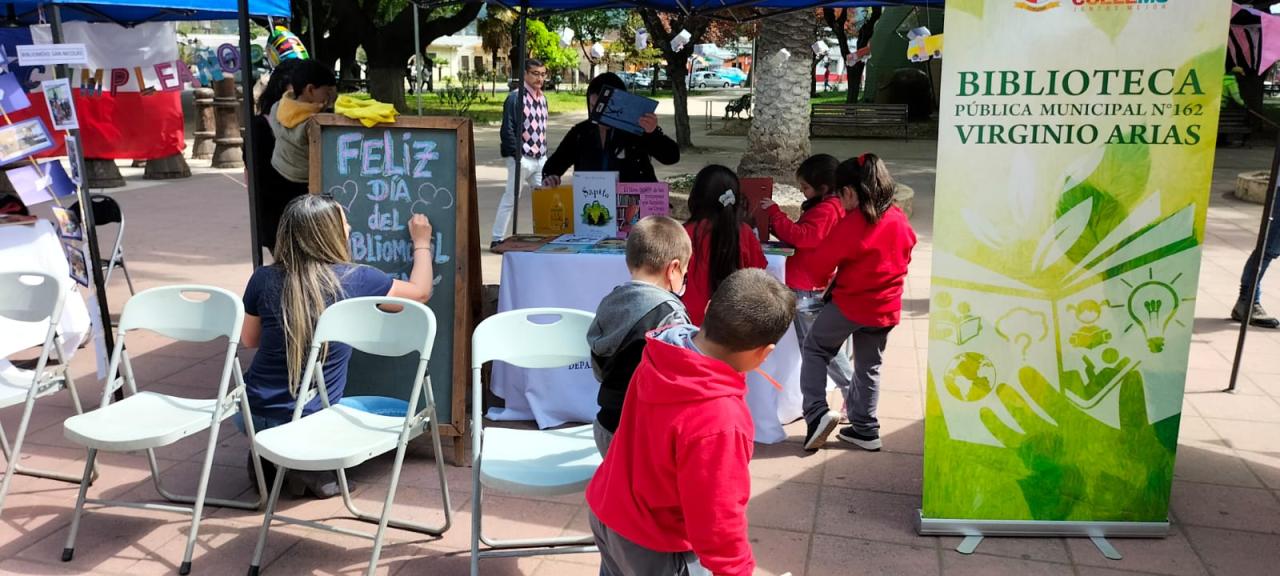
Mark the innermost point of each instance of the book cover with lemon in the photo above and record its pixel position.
(1075, 156)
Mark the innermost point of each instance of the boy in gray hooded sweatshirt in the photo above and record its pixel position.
(658, 252)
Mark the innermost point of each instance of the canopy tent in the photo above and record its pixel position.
(130, 12)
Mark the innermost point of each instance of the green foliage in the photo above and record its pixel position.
(460, 97)
(588, 25)
(545, 46)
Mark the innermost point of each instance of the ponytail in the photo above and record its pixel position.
(716, 205)
(868, 178)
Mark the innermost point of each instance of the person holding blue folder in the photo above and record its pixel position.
(593, 147)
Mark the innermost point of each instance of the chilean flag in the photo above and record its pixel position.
(128, 97)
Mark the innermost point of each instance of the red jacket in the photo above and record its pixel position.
(697, 291)
(676, 476)
(805, 236)
(870, 264)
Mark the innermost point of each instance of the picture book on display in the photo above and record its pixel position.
(777, 249)
(594, 204)
(620, 109)
(753, 191)
(522, 243)
(562, 248)
(553, 211)
(607, 246)
(641, 200)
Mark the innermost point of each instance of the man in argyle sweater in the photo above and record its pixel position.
(524, 147)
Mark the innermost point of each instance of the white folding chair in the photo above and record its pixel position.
(32, 299)
(339, 437)
(529, 462)
(147, 420)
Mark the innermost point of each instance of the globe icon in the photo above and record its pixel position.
(970, 377)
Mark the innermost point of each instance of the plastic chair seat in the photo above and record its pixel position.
(141, 421)
(538, 462)
(14, 385)
(338, 437)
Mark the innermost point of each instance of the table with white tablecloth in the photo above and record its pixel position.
(36, 248)
(580, 281)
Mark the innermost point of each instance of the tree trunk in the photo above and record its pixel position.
(387, 85)
(779, 137)
(680, 98)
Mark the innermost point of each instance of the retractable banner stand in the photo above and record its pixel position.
(1075, 155)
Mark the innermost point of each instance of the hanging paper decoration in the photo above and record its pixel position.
(597, 50)
(680, 40)
(925, 48)
(782, 55)
(642, 40)
(566, 37)
(284, 46)
(820, 48)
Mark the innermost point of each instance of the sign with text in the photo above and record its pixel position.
(639, 200)
(383, 175)
(52, 54)
(1074, 166)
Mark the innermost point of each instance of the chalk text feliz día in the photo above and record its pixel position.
(381, 157)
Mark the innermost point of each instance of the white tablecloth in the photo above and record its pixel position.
(581, 281)
(37, 248)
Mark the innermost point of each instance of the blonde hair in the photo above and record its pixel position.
(310, 240)
(654, 242)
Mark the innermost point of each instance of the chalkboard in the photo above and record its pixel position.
(383, 175)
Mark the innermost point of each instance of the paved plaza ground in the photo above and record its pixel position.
(836, 512)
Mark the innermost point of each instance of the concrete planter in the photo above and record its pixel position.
(1252, 186)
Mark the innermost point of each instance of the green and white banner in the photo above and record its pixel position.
(1075, 155)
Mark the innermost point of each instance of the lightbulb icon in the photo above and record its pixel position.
(1153, 305)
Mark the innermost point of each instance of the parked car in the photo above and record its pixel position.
(703, 80)
(735, 76)
(662, 83)
(633, 80)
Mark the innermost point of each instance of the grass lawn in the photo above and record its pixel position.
(489, 108)
(829, 98)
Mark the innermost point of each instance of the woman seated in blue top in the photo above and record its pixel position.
(283, 302)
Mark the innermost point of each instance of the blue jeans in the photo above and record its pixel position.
(1256, 267)
(808, 305)
(372, 404)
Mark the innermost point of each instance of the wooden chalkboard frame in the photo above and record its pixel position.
(468, 287)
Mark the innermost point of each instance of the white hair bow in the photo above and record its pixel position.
(728, 198)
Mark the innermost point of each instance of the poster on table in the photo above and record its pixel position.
(594, 204)
(127, 96)
(1075, 155)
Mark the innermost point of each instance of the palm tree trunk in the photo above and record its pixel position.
(779, 137)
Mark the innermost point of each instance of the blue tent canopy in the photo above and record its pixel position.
(128, 12)
(705, 6)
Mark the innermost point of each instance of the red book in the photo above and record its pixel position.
(755, 190)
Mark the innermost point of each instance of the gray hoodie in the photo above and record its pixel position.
(617, 337)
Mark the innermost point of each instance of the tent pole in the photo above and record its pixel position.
(314, 48)
(246, 116)
(1264, 230)
(519, 73)
(417, 59)
(88, 226)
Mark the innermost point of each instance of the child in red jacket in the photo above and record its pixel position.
(869, 250)
(821, 210)
(722, 242)
(671, 496)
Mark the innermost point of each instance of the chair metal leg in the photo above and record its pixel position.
(269, 514)
(69, 550)
(202, 490)
(476, 494)
(127, 279)
(11, 466)
(403, 524)
(185, 499)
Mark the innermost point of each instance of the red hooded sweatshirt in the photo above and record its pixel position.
(697, 285)
(805, 235)
(870, 262)
(676, 478)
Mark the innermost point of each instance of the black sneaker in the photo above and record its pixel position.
(817, 433)
(868, 443)
(494, 244)
(1259, 318)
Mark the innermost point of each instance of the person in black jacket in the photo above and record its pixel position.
(592, 147)
(273, 190)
